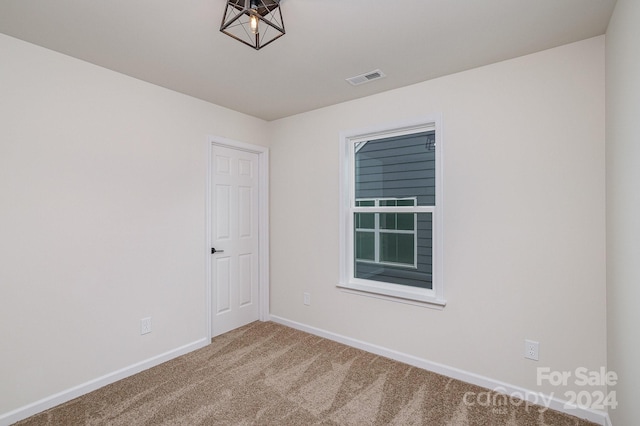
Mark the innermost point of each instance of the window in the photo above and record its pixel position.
(391, 200)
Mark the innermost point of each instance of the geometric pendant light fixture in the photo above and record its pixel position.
(255, 23)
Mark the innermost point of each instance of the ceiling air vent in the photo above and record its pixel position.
(366, 77)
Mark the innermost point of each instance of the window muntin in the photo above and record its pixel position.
(386, 238)
(391, 227)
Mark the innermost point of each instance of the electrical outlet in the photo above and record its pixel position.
(531, 349)
(307, 299)
(145, 325)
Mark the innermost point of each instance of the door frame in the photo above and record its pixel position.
(263, 231)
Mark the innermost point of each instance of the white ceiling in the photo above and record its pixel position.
(177, 44)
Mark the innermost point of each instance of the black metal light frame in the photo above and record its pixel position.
(236, 21)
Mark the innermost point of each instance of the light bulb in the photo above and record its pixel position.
(253, 22)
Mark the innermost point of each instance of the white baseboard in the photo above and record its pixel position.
(76, 391)
(596, 416)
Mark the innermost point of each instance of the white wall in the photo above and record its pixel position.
(102, 223)
(623, 207)
(524, 218)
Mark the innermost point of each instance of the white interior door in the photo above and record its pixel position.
(235, 243)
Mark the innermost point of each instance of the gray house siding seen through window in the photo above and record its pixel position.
(393, 172)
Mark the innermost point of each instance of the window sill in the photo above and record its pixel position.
(415, 297)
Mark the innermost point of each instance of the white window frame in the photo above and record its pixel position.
(397, 292)
(376, 231)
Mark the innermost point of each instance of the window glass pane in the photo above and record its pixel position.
(405, 248)
(365, 220)
(397, 248)
(365, 248)
(404, 221)
(409, 202)
(387, 220)
(389, 248)
(399, 167)
(365, 203)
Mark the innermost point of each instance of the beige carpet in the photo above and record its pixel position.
(268, 374)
